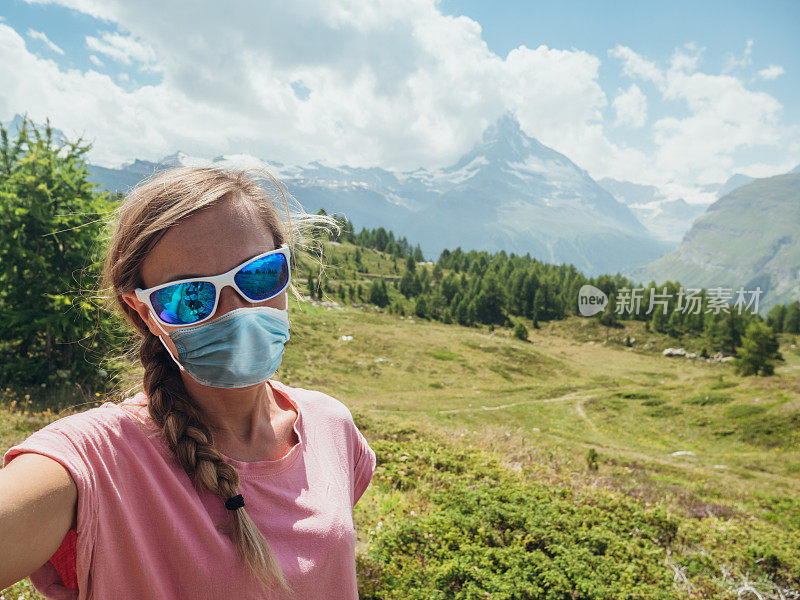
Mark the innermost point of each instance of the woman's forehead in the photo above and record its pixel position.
(208, 242)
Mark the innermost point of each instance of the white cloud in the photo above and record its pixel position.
(771, 72)
(686, 58)
(396, 84)
(740, 63)
(96, 61)
(122, 48)
(634, 65)
(758, 170)
(96, 8)
(38, 35)
(631, 107)
(724, 117)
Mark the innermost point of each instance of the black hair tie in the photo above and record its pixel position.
(234, 502)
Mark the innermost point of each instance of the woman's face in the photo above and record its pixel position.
(210, 242)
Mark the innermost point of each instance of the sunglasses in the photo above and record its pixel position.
(192, 301)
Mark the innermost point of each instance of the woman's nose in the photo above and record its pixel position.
(229, 299)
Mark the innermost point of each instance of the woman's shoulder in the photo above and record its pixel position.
(86, 442)
(95, 426)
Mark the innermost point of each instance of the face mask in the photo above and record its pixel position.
(241, 348)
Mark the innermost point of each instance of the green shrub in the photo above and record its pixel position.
(743, 411)
(708, 398)
(591, 459)
(51, 246)
(722, 384)
(664, 411)
(772, 431)
(605, 404)
(443, 354)
(505, 539)
(480, 531)
(653, 402)
(634, 395)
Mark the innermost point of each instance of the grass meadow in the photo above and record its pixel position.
(566, 466)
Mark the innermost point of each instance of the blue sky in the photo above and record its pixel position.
(654, 29)
(677, 95)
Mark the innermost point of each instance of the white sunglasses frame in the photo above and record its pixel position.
(219, 281)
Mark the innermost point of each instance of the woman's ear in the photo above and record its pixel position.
(137, 305)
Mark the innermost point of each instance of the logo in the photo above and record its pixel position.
(591, 300)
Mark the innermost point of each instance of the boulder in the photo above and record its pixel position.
(674, 352)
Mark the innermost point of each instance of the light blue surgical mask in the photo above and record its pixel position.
(241, 348)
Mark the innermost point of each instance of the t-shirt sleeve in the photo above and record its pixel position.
(56, 441)
(364, 461)
(52, 441)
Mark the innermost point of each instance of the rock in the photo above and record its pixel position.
(674, 352)
(346, 338)
(683, 453)
(326, 304)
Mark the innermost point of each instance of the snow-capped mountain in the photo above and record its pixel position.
(666, 219)
(670, 219)
(509, 192)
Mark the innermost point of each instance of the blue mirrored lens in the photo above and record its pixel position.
(264, 277)
(184, 303)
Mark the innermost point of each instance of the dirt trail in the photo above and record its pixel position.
(602, 441)
(582, 414)
(565, 398)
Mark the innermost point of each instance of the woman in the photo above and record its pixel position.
(215, 481)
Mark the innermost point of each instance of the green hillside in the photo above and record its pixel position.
(485, 483)
(523, 451)
(748, 238)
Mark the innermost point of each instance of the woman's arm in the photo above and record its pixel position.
(38, 506)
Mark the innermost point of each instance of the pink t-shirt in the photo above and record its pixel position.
(144, 532)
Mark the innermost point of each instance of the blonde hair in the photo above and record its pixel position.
(157, 203)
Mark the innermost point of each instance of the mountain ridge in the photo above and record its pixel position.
(730, 246)
(508, 192)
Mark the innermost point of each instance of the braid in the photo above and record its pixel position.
(191, 441)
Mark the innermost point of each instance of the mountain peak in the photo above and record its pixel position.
(505, 128)
(15, 125)
(175, 157)
(181, 159)
(502, 142)
(505, 145)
